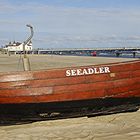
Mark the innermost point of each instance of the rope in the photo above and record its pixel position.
(19, 60)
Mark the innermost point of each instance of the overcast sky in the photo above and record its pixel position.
(71, 23)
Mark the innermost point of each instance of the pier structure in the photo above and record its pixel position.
(88, 51)
(134, 51)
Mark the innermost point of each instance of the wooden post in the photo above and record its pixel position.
(25, 60)
(26, 64)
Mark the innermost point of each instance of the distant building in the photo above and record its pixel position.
(17, 47)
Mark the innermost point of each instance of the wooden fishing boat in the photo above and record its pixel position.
(70, 92)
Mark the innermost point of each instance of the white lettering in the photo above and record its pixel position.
(96, 71)
(107, 70)
(73, 72)
(90, 71)
(68, 73)
(87, 71)
(79, 72)
(101, 70)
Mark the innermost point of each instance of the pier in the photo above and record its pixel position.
(113, 52)
(71, 50)
(125, 52)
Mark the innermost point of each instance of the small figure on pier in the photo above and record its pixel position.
(117, 53)
(134, 54)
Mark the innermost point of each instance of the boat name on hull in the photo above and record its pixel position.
(87, 71)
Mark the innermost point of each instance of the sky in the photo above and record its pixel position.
(71, 23)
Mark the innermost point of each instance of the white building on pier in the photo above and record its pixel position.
(17, 47)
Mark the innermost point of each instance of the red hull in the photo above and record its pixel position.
(116, 80)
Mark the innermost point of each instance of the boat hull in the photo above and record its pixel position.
(70, 92)
(57, 110)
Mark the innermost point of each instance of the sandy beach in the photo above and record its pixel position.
(14, 62)
(123, 126)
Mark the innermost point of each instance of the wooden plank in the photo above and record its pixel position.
(69, 80)
(67, 97)
(126, 67)
(96, 86)
(16, 76)
(110, 85)
(61, 73)
(64, 81)
(132, 93)
(116, 91)
(53, 98)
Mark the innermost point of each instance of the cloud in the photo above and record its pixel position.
(58, 16)
(82, 38)
(70, 24)
(135, 38)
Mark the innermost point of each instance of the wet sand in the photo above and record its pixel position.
(123, 126)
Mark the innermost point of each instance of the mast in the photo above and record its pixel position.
(26, 62)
